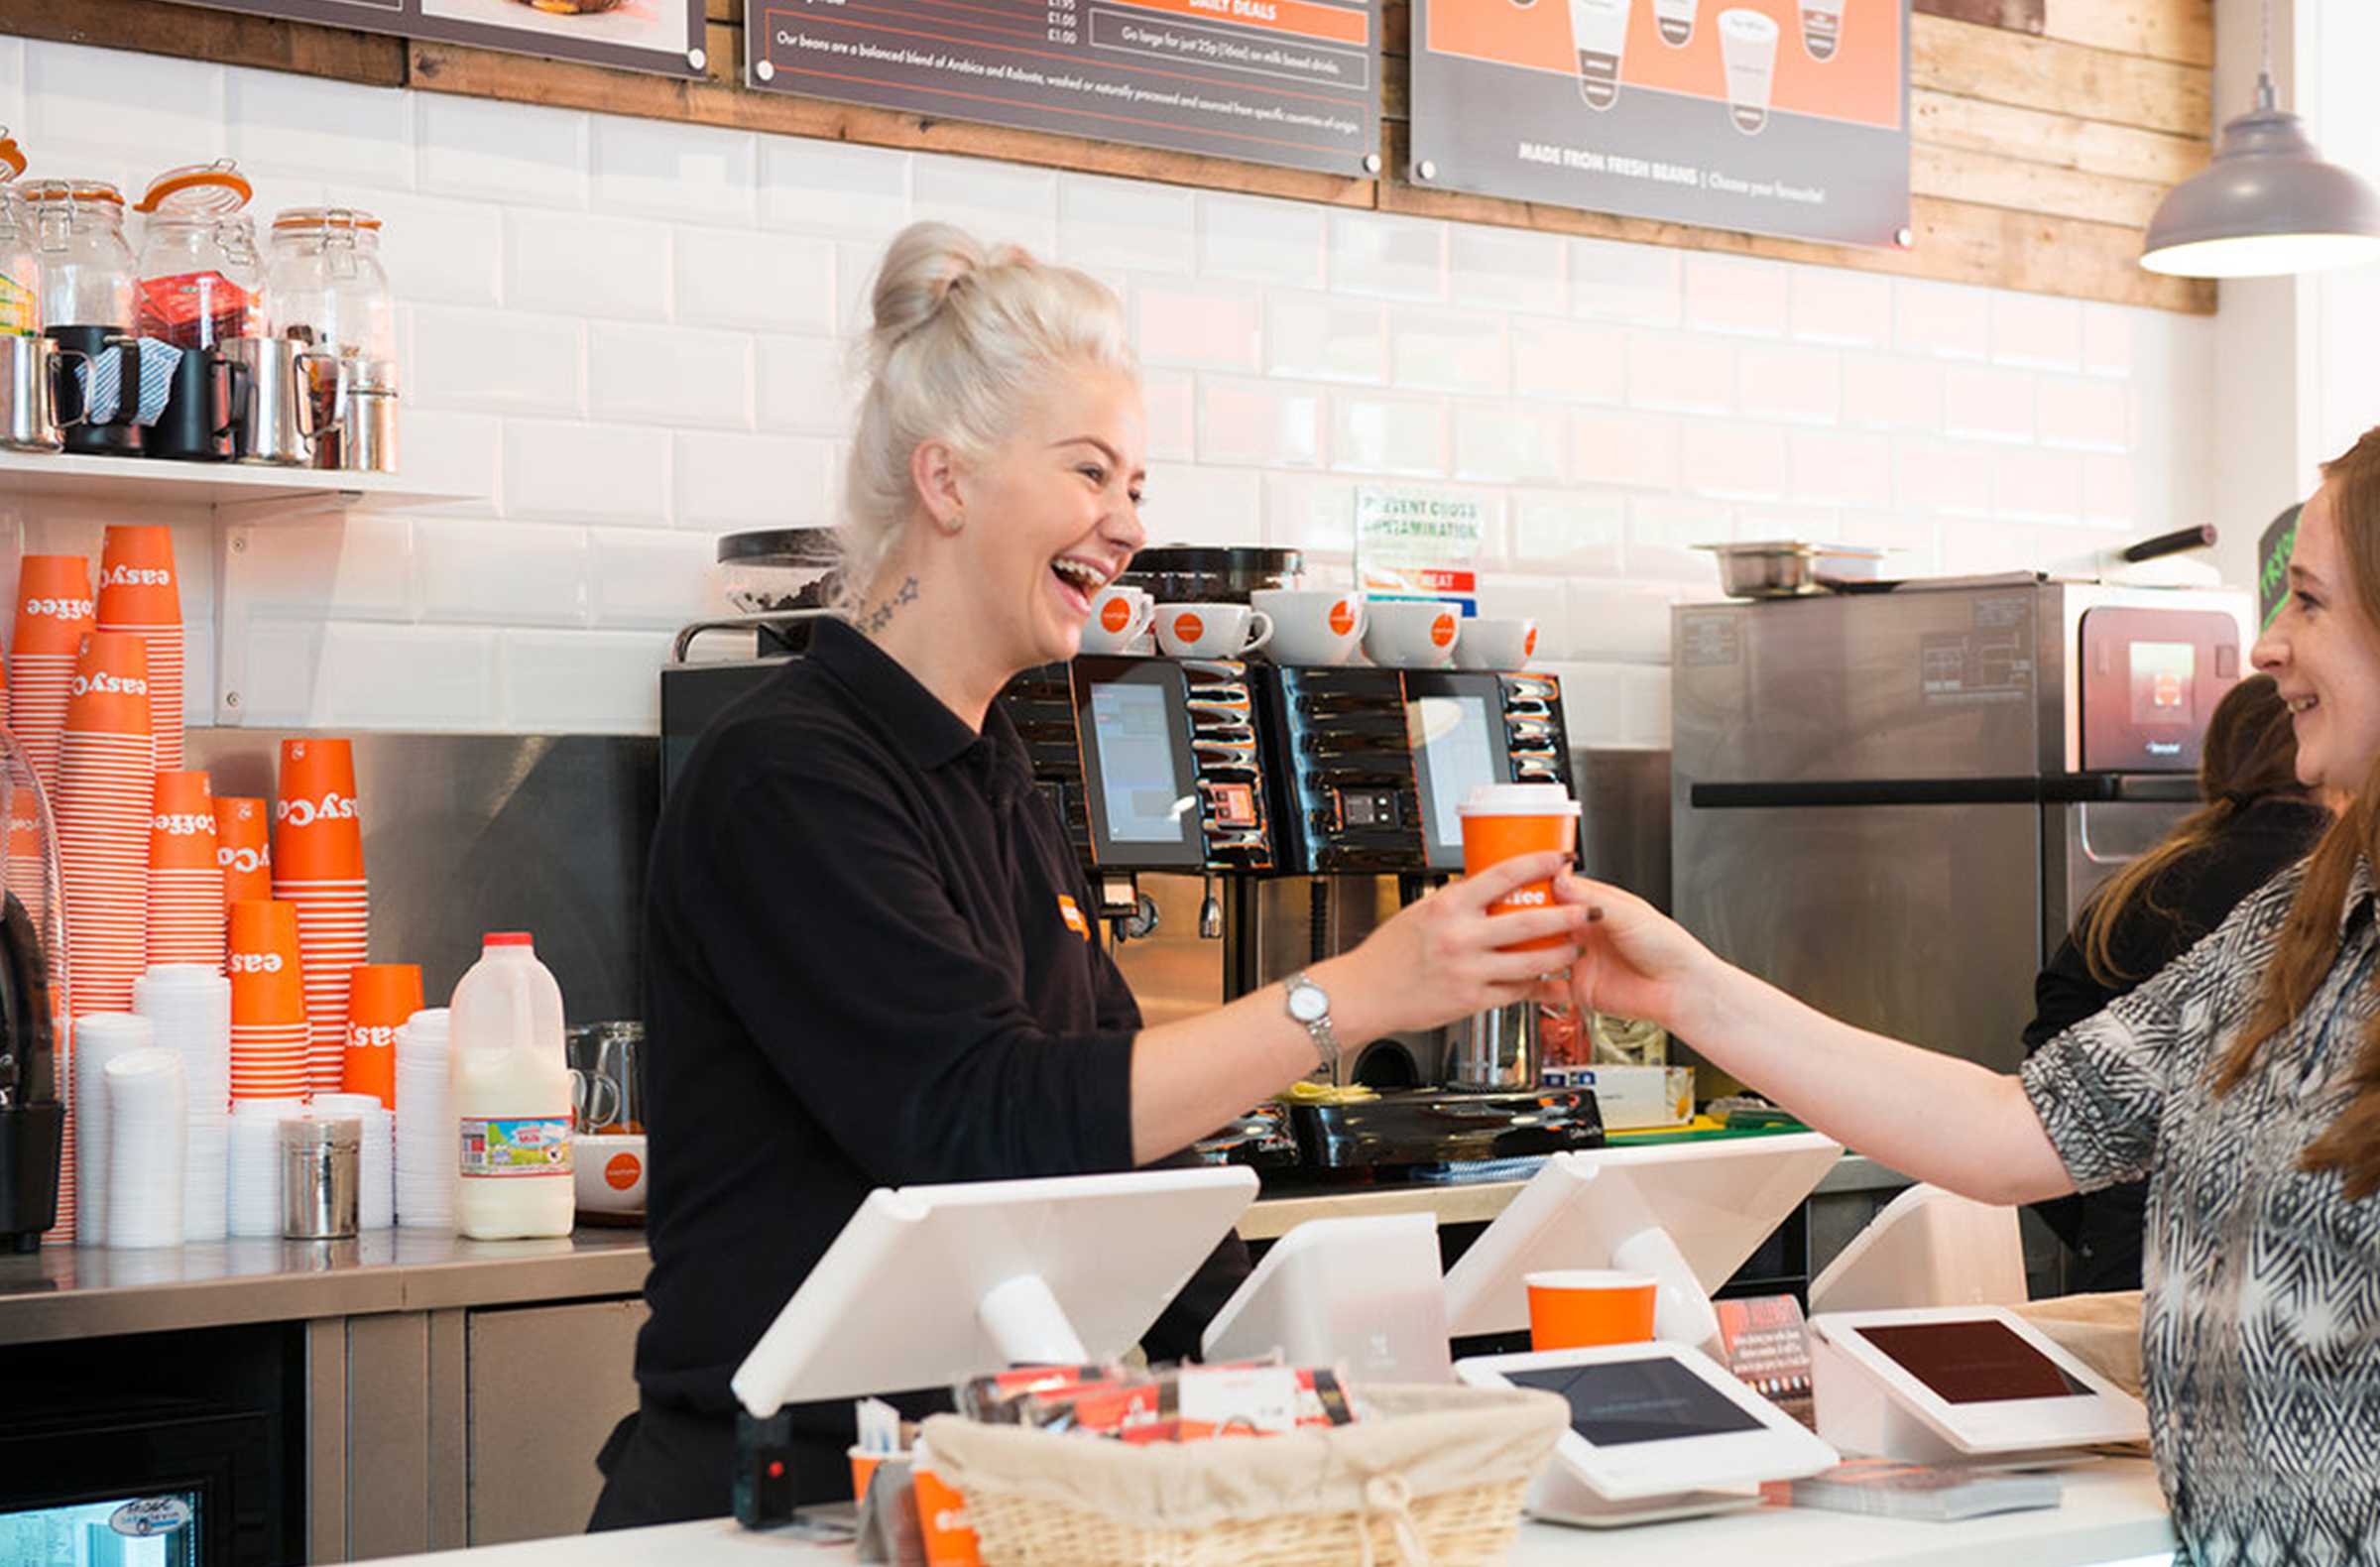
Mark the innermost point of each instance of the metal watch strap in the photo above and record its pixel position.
(1325, 1037)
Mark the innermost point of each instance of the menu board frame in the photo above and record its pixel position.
(1780, 117)
(1288, 83)
(603, 41)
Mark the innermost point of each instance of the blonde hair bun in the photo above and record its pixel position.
(963, 337)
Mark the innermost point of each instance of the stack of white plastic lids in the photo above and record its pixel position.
(99, 1039)
(376, 1166)
(147, 1126)
(255, 1206)
(427, 1140)
(189, 1004)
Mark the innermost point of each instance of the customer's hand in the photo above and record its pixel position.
(1439, 959)
(1634, 962)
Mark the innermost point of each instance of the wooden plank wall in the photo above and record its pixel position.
(2043, 134)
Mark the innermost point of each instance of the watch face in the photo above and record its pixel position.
(1307, 1003)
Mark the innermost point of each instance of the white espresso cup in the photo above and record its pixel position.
(1120, 617)
(1313, 626)
(1211, 631)
(1411, 635)
(1495, 644)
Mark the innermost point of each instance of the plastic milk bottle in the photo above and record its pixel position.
(512, 1095)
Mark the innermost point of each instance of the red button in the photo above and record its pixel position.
(776, 1469)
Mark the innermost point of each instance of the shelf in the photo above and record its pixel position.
(237, 492)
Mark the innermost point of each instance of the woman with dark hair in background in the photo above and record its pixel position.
(2257, 820)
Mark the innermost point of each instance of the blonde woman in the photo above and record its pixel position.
(869, 956)
(2242, 1082)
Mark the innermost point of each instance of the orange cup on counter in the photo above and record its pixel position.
(863, 1469)
(1580, 1309)
(379, 998)
(265, 988)
(1502, 821)
(244, 843)
(942, 1523)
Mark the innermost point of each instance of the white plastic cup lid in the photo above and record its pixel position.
(1518, 799)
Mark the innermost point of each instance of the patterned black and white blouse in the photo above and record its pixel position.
(2260, 1336)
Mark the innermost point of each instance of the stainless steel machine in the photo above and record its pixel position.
(1893, 804)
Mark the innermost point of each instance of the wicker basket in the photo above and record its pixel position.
(1434, 1478)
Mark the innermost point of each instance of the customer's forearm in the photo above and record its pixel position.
(1931, 1116)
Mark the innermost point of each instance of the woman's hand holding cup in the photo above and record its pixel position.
(1635, 962)
(1454, 953)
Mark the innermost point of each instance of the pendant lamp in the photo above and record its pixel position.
(2267, 205)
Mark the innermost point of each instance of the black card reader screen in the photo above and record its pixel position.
(1979, 1362)
(1657, 1399)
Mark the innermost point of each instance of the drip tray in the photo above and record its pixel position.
(1407, 1134)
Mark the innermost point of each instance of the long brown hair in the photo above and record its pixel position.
(2308, 941)
(2250, 752)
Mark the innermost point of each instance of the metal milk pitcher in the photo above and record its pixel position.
(27, 399)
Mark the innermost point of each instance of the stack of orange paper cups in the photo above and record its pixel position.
(318, 867)
(268, 1002)
(244, 848)
(186, 875)
(54, 615)
(140, 596)
(379, 998)
(106, 798)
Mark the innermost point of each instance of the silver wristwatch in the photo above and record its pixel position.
(1310, 1008)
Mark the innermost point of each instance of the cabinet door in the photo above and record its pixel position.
(547, 1385)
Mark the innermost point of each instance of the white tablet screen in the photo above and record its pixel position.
(1616, 1402)
(1979, 1362)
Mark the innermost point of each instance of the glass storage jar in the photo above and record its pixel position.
(87, 268)
(191, 293)
(329, 292)
(19, 254)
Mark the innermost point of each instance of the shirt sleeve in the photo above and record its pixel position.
(2100, 1086)
(829, 932)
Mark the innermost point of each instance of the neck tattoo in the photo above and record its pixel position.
(876, 619)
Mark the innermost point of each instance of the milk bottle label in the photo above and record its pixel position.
(536, 1145)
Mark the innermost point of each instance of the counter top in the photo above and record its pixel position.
(66, 1291)
(76, 1293)
(2112, 1512)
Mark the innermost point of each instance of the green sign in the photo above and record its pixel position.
(2272, 565)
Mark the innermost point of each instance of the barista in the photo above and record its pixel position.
(868, 954)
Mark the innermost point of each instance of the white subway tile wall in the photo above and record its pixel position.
(625, 340)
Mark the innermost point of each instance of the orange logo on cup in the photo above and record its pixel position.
(1115, 615)
(1529, 644)
(621, 1171)
(1072, 912)
(1188, 628)
(1442, 630)
(1343, 618)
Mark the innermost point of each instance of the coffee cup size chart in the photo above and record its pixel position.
(1288, 82)
(1785, 117)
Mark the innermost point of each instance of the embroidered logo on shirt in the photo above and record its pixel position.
(1072, 914)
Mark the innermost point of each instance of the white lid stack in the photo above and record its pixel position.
(426, 1134)
(255, 1206)
(99, 1039)
(189, 1006)
(147, 1127)
(376, 1159)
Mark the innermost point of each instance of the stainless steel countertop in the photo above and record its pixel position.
(76, 1293)
(71, 1292)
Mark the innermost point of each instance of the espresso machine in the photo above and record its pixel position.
(1241, 821)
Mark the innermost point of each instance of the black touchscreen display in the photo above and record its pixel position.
(1617, 1403)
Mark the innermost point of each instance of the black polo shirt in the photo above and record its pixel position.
(869, 961)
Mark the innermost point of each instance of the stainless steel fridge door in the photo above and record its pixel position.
(1921, 922)
(2084, 845)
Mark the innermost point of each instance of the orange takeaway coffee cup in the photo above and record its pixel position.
(266, 989)
(1502, 821)
(244, 843)
(317, 834)
(381, 997)
(55, 607)
(1580, 1309)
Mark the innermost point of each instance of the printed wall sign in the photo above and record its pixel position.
(1292, 82)
(663, 36)
(1785, 117)
(2280, 537)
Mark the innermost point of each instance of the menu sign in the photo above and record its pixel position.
(663, 36)
(2273, 547)
(1782, 117)
(1292, 82)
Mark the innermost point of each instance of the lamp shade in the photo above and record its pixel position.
(2266, 205)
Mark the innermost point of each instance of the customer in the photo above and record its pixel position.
(870, 953)
(2257, 820)
(2242, 1081)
